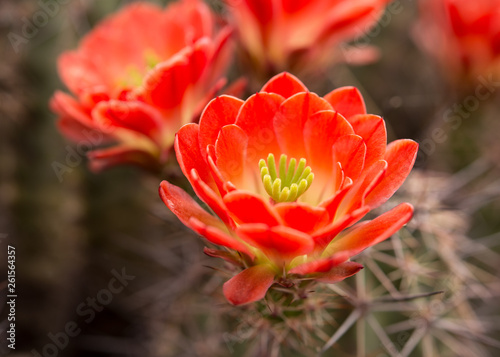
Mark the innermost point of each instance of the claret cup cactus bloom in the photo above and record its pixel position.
(289, 175)
(301, 35)
(138, 77)
(463, 36)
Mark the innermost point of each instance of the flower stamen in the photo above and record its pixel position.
(293, 180)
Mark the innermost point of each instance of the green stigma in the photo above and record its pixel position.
(287, 184)
(135, 75)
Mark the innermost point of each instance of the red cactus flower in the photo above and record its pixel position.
(300, 35)
(286, 172)
(464, 36)
(138, 77)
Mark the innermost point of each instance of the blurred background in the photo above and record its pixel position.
(76, 232)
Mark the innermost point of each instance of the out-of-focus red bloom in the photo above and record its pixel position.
(286, 172)
(301, 36)
(463, 35)
(138, 77)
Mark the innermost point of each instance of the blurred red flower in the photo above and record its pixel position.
(286, 172)
(463, 35)
(301, 36)
(138, 77)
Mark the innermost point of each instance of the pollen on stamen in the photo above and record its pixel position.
(285, 183)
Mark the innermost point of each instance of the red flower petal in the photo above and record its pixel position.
(291, 118)
(78, 132)
(200, 58)
(256, 119)
(185, 207)
(322, 265)
(168, 83)
(221, 56)
(247, 207)
(131, 115)
(348, 101)
(118, 155)
(332, 204)
(230, 150)
(220, 112)
(302, 217)
(339, 273)
(218, 236)
(187, 148)
(321, 132)
(355, 197)
(210, 197)
(222, 254)
(196, 13)
(223, 185)
(292, 6)
(144, 22)
(94, 96)
(66, 106)
(284, 84)
(78, 72)
(349, 20)
(372, 232)
(350, 151)
(75, 121)
(372, 129)
(165, 85)
(279, 243)
(325, 235)
(250, 285)
(400, 157)
(262, 10)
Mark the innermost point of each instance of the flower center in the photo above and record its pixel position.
(289, 182)
(135, 75)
